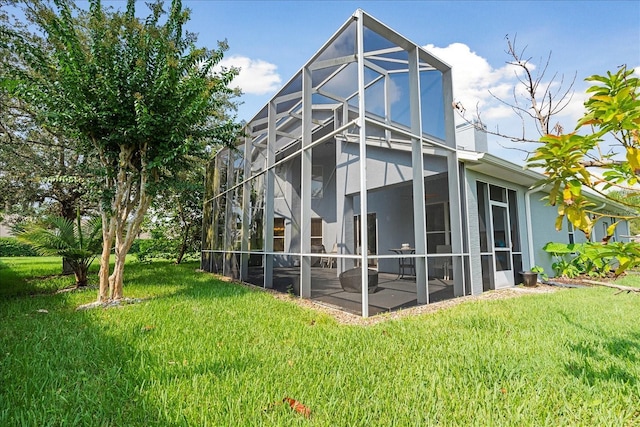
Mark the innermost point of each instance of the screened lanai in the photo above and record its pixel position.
(345, 187)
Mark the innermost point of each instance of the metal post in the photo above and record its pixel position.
(417, 162)
(364, 244)
(305, 186)
(268, 202)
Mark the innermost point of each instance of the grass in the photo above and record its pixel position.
(201, 351)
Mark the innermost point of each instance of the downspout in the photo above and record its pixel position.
(527, 208)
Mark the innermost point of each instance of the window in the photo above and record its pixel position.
(278, 234)
(316, 232)
(513, 220)
(497, 194)
(483, 209)
(613, 236)
(372, 236)
(437, 226)
(605, 226)
(570, 232)
(317, 182)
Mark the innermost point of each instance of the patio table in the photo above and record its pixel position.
(405, 264)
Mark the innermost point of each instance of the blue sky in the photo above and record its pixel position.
(271, 40)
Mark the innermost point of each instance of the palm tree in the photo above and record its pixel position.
(78, 242)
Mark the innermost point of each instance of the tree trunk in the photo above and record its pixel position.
(183, 245)
(80, 272)
(125, 234)
(116, 280)
(129, 205)
(108, 228)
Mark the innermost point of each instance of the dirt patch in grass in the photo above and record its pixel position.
(110, 304)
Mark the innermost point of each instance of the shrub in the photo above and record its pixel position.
(156, 248)
(10, 247)
(162, 248)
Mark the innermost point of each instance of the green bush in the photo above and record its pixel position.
(161, 248)
(135, 246)
(156, 248)
(9, 246)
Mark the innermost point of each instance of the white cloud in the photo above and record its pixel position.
(475, 80)
(256, 77)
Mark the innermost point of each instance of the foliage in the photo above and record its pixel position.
(631, 198)
(602, 154)
(42, 169)
(138, 95)
(175, 360)
(567, 160)
(594, 259)
(10, 247)
(162, 248)
(78, 242)
(176, 217)
(540, 271)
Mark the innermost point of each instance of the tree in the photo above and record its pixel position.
(38, 166)
(569, 160)
(602, 153)
(535, 101)
(177, 213)
(79, 242)
(139, 96)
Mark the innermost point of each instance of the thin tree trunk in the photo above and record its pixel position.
(129, 230)
(108, 228)
(183, 245)
(116, 280)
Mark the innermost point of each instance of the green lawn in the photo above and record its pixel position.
(201, 351)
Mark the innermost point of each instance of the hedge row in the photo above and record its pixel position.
(9, 246)
(145, 249)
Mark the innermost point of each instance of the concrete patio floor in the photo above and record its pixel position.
(393, 293)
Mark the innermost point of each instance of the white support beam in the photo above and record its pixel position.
(305, 184)
(364, 244)
(318, 65)
(288, 97)
(455, 207)
(417, 162)
(269, 205)
(246, 212)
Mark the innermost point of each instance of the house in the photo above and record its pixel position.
(358, 150)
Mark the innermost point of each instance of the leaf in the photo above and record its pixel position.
(558, 248)
(633, 157)
(298, 407)
(559, 222)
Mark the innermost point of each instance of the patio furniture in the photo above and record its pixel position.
(317, 249)
(406, 265)
(329, 261)
(444, 263)
(351, 280)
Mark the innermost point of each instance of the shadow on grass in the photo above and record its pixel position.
(603, 359)
(59, 366)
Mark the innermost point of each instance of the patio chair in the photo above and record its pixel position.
(327, 261)
(443, 263)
